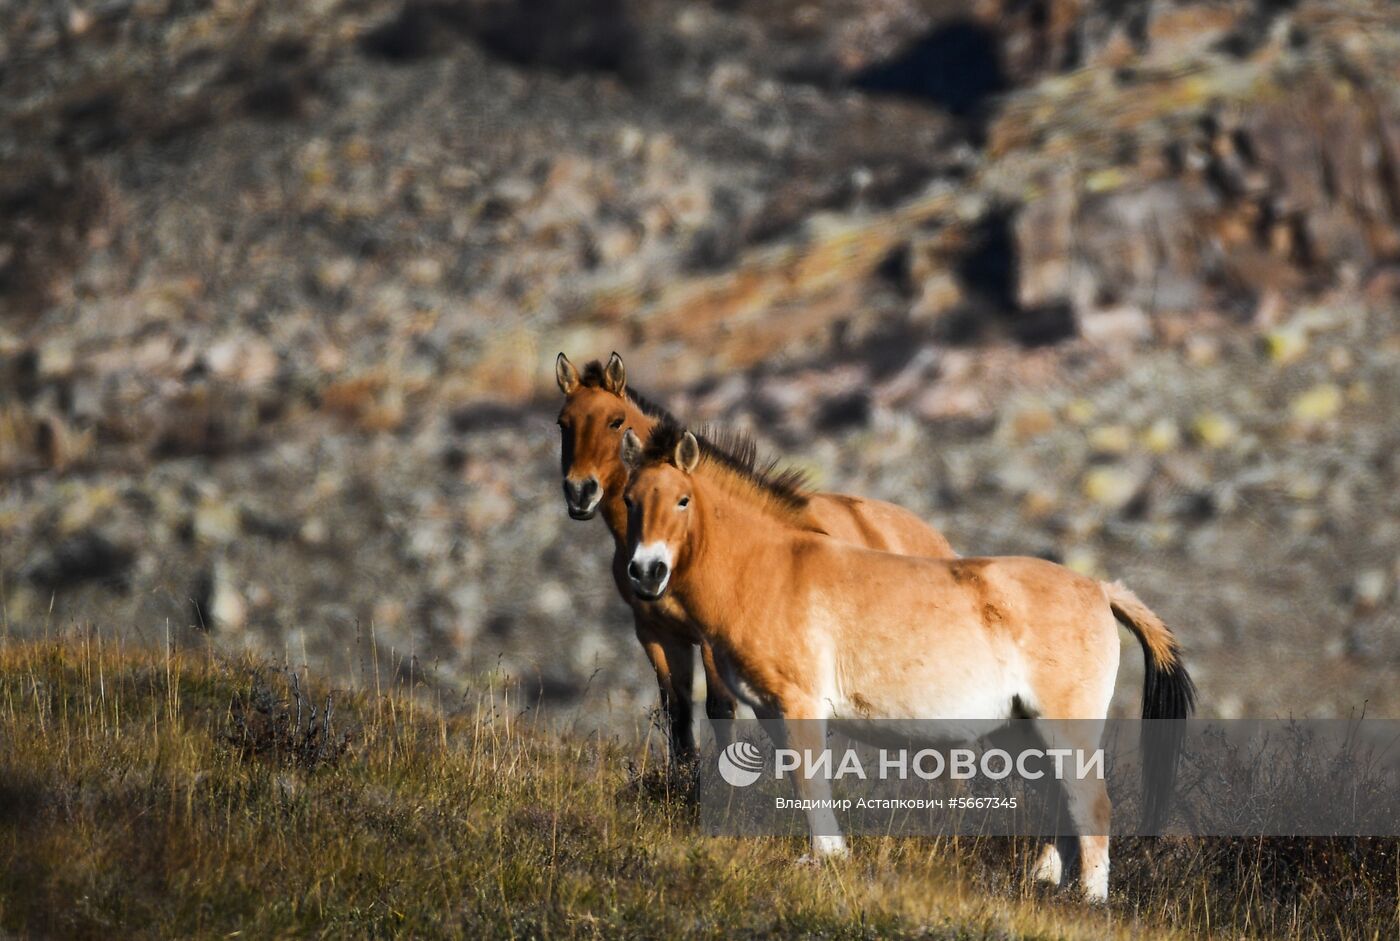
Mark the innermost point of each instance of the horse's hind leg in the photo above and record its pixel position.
(1049, 865)
(1086, 795)
(1058, 849)
(674, 663)
(720, 703)
(1086, 798)
(1090, 809)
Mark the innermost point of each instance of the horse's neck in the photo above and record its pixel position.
(729, 536)
(615, 516)
(614, 511)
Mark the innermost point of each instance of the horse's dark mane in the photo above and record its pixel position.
(734, 451)
(737, 453)
(592, 376)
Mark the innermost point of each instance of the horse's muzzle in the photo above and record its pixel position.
(582, 497)
(649, 579)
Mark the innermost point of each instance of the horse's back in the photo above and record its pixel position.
(1023, 590)
(1021, 599)
(875, 524)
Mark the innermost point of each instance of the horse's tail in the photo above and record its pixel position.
(1167, 694)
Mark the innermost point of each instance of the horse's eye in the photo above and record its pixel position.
(615, 424)
(685, 502)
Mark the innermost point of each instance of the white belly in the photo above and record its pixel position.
(974, 687)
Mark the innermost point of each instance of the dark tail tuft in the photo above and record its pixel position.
(1168, 699)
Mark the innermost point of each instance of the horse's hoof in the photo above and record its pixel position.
(817, 857)
(1049, 869)
(1096, 890)
(830, 847)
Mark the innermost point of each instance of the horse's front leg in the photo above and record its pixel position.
(804, 729)
(720, 702)
(674, 664)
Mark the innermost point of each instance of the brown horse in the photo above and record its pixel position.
(598, 407)
(808, 628)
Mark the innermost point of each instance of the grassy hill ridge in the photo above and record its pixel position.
(188, 795)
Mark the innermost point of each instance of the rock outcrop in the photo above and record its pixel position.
(280, 285)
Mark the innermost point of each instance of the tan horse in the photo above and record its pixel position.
(808, 628)
(598, 406)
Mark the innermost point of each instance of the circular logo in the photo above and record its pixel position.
(740, 764)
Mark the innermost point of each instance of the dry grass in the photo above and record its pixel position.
(189, 796)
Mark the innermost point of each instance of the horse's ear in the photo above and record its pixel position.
(614, 375)
(688, 453)
(565, 374)
(631, 450)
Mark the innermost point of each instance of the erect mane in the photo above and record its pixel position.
(592, 377)
(736, 453)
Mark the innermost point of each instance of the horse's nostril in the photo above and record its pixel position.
(658, 571)
(634, 570)
(580, 493)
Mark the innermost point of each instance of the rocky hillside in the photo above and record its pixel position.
(280, 285)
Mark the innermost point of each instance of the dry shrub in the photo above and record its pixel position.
(286, 730)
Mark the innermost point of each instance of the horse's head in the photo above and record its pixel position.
(660, 498)
(596, 411)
